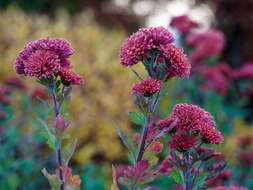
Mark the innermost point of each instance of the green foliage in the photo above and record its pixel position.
(177, 176)
(47, 134)
(137, 118)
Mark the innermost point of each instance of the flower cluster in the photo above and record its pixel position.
(147, 87)
(217, 77)
(190, 120)
(207, 44)
(183, 24)
(47, 58)
(245, 72)
(155, 48)
(48, 61)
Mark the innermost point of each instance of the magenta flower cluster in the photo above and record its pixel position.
(206, 44)
(183, 24)
(139, 47)
(46, 58)
(191, 120)
(147, 87)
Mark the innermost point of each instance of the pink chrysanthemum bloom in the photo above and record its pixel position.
(44, 58)
(136, 47)
(207, 44)
(210, 135)
(191, 117)
(182, 142)
(245, 72)
(153, 46)
(147, 87)
(177, 62)
(183, 24)
(70, 77)
(217, 78)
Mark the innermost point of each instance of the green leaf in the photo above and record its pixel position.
(68, 150)
(47, 134)
(177, 177)
(137, 118)
(201, 179)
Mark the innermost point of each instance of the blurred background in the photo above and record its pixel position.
(215, 34)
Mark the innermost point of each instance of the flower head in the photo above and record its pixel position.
(44, 58)
(193, 120)
(245, 72)
(182, 142)
(70, 77)
(207, 44)
(183, 24)
(211, 135)
(177, 64)
(153, 46)
(191, 117)
(217, 77)
(147, 87)
(137, 46)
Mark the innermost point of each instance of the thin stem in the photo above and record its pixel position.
(155, 102)
(59, 157)
(58, 151)
(137, 74)
(186, 173)
(143, 140)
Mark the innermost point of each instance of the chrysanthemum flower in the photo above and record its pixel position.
(207, 44)
(193, 120)
(183, 24)
(70, 77)
(191, 117)
(182, 142)
(177, 64)
(42, 64)
(136, 47)
(245, 72)
(210, 135)
(217, 77)
(147, 87)
(44, 58)
(153, 46)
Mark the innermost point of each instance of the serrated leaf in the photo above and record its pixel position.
(177, 177)
(137, 118)
(47, 134)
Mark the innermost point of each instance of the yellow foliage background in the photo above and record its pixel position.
(105, 100)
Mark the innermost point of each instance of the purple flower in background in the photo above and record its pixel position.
(245, 72)
(183, 24)
(205, 45)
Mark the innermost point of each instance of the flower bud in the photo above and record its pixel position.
(60, 123)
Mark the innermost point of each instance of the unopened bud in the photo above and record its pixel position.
(60, 123)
